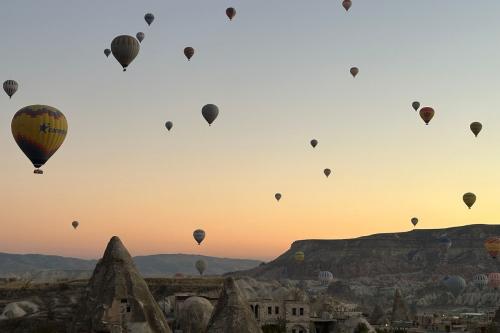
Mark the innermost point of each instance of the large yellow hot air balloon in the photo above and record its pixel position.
(492, 245)
(39, 130)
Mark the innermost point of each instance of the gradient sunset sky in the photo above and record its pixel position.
(280, 76)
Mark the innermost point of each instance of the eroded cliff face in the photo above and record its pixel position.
(415, 253)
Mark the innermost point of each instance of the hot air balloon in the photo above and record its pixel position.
(189, 52)
(210, 113)
(455, 284)
(10, 87)
(492, 246)
(325, 277)
(75, 224)
(140, 36)
(469, 199)
(278, 196)
(426, 113)
(125, 48)
(231, 13)
(107, 52)
(354, 71)
(346, 4)
(414, 221)
(149, 18)
(169, 125)
(444, 242)
(39, 130)
(299, 256)
(327, 172)
(415, 105)
(476, 127)
(494, 280)
(201, 266)
(480, 281)
(314, 143)
(199, 236)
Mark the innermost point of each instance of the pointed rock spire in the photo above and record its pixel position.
(399, 308)
(232, 313)
(118, 298)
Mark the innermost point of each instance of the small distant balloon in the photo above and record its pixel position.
(299, 256)
(327, 172)
(277, 196)
(414, 221)
(231, 13)
(75, 224)
(125, 48)
(140, 36)
(169, 125)
(210, 113)
(426, 113)
(149, 18)
(189, 52)
(314, 143)
(107, 52)
(199, 235)
(415, 105)
(201, 266)
(492, 246)
(469, 199)
(476, 127)
(346, 4)
(494, 280)
(10, 87)
(354, 71)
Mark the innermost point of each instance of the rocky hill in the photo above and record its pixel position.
(414, 253)
(45, 268)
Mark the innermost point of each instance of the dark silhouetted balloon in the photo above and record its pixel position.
(277, 196)
(346, 4)
(125, 48)
(199, 236)
(140, 36)
(327, 172)
(455, 284)
(426, 113)
(189, 52)
(39, 130)
(107, 52)
(415, 105)
(149, 18)
(231, 13)
(469, 199)
(169, 125)
(314, 143)
(10, 87)
(414, 221)
(210, 113)
(75, 224)
(476, 127)
(354, 71)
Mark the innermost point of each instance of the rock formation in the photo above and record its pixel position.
(195, 314)
(399, 308)
(378, 316)
(232, 313)
(118, 298)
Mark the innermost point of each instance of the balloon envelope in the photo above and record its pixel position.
(314, 143)
(325, 277)
(199, 236)
(494, 280)
(492, 246)
(75, 224)
(455, 284)
(469, 199)
(277, 196)
(125, 48)
(169, 125)
(140, 36)
(327, 172)
(476, 127)
(299, 256)
(39, 130)
(354, 71)
(107, 52)
(149, 18)
(189, 52)
(480, 280)
(201, 266)
(10, 87)
(210, 113)
(415, 105)
(414, 221)
(231, 13)
(426, 113)
(346, 4)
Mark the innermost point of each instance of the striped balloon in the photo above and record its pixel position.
(494, 280)
(39, 130)
(10, 87)
(125, 48)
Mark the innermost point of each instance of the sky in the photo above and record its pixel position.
(279, 73)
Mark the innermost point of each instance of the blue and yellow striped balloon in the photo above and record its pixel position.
(39, 130)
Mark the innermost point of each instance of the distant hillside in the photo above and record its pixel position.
(50, 268)
(416, 252)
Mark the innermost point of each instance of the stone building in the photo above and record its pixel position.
(293, 315)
